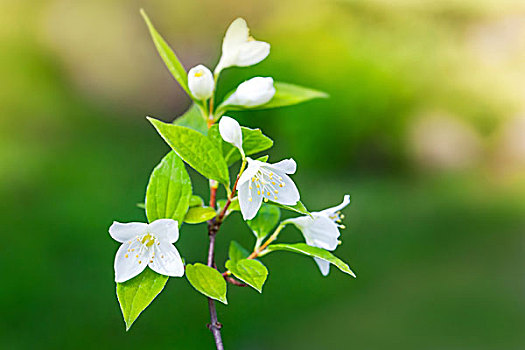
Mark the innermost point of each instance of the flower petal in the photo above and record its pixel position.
(230, 131)
(127, 264)
(200, 82)
(322, 233)
(249, 208)
(236, 34)
(252, 52)
(167, 260)
(253, 168)
(124, 232)
(166, 230)
(287, 166)
(288, 194)
(324, 266)
(329, 211)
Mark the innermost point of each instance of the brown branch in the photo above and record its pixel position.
(234, 281)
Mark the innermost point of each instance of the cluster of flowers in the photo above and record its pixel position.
(152, 244)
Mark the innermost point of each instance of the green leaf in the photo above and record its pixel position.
(196, 215)
(251, 272)
(215, 137)
(137, 293)
(290, 94)
(196, 201)
(305, 249)
(141, 205)
(253, 141)
(193, 119)
(195, 149)
(169, 190)
(285, 95)
(208, 281)
(266, 219)
(262, 159)
(168, 56)
(298, 207)
(237, 251)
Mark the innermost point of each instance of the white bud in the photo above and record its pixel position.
(254, 92)
(239, 48)
(231, 132)
(200, 82)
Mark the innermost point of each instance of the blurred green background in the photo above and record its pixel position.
(425, 128)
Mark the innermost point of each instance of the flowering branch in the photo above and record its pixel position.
(147, 255)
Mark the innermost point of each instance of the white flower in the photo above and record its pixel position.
(239, 48)
(200, 82)
(146, 245)
(251, 93)
(322, 230)
(266, 181)
(231, 132)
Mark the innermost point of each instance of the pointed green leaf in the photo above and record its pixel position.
(237, 251)
(298, 207)
(285, 95)
(251, 272)
(169, 190)
(193, 119)
(196, 215)
(195, 149)
(196, 201)
(208, 281)
(168, 56)
(290, 94)
(262, 159)
(137, 293)
(266, 219)
(320, 253)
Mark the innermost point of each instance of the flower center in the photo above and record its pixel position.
(267, 184)
(148, 240)
(198, 73)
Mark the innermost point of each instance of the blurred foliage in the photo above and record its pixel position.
(437, 250)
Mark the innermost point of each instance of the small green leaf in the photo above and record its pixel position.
(169, 190)
(137, 293)
(290, 94)
(298, 207)
(237, 251)
(208, 281)
(234, 205)
(266, 219)
(141, 205)
(196, 215)
(285, 95)
(196, 201)
(195, 149)
(251, 272)
(262, 159)
(168, 56)
(305, 249)
(193, 119)
(253, 141)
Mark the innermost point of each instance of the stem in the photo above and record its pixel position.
(221, 215)
(258, 250)
(214, 326)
